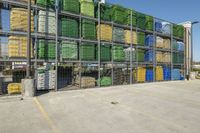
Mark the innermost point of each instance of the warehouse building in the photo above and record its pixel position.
(86, 44)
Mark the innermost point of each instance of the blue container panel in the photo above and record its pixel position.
(149, 40)
(148, 56)
(149, 75)
(166, 73)
(158, 27)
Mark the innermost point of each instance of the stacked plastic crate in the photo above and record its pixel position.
(118, 35)
(46, 3)
(141, 20)
(88, 29)
(128, 52)
(105, 32)
(118, 53)
(105, 11)
(149, 23)
(18, 20)
(141, 38)
(69, 50)
(140, 74)
(46, 22)
(69, 27)
(17, 47)
(149, 75)
(178, 31)
(176, 74)
(70, 5)
(167, 73)
(159, 73)
(134, 19)
(140, 53)
(87, 7)
(129, 37)
(46, 49)
(119, 14)
(87, 51)
(105, 53)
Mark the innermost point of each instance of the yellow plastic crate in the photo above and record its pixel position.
(14, 88)
(159, 73)
(128, 37)
(166, 57)
(106, 32)
(159, 42)
(166, 43)
(17, 46)
(159, 56)
(140, 74)
(18, 20)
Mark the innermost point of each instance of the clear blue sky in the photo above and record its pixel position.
(176, 11)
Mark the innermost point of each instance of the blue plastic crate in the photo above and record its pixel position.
(149, 75)
(166, 73)
(176, 75)
(149, 40)
(148, 56)
(158, 27)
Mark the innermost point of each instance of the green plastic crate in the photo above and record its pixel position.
(70, 5)
(88, 29)
(69, 50)
(140, 55)
(105, 53)
(87, 8)
(119, 14)
(149, 23)
(69, 27)
(105, 81)
(46, 49)
(141, 20)
(87, 52)
(141, 38)
(105, 11)
(118, 53)
(178, 31)
(118, 35)
(128, 20)
(46, 3)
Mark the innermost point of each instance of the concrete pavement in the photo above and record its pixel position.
(165, 107)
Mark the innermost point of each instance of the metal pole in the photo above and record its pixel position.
(99, 46)
(56, 61)
(28, 67)
(131, 54)
(172, 43)
(191, 48)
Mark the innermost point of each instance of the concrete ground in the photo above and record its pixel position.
(167, 107)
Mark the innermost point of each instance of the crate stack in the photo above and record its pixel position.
(69, 50)
(105, 32)
(134, 19)
(118, 35)
(118, 14)
(105, 81)
(149, 23)
(105, 53)
(69, 27)
(46, 49)
(87, 52)
(141, 20)
(87, 7)
(159, 73)
(105, 11)
(128, 54)
(176, 74)
(118, 76)
(17, 47)
(70, 5)
(140, 53)
(88, 29)
(149, 75)
(141, 38)
(85, 82)
(140, 74)
(18, 20)
(129, 35)
(118, 53)
(47, 22)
